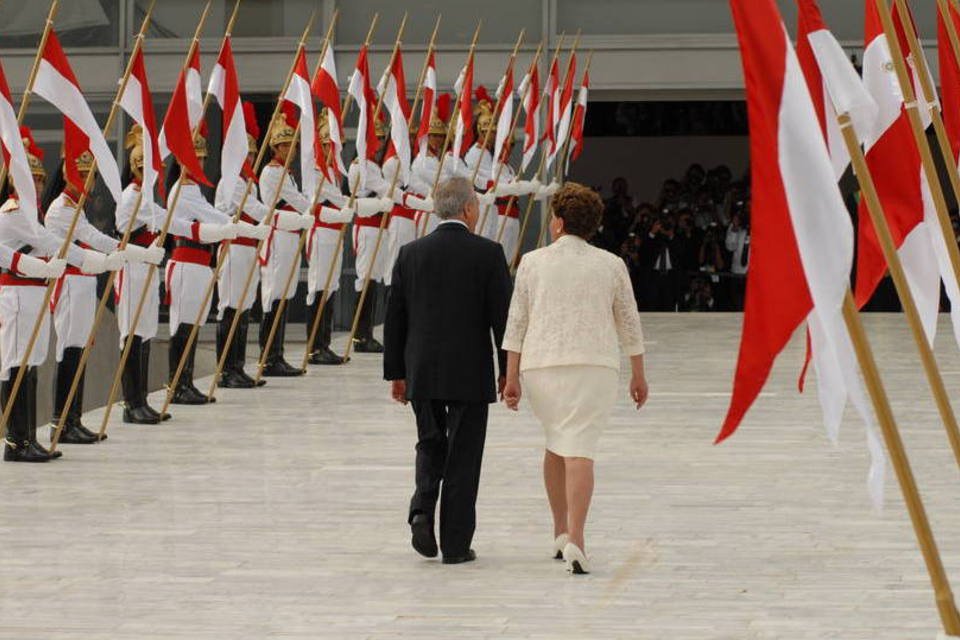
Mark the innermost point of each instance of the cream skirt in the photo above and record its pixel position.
(573, 404)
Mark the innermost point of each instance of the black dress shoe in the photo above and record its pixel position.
(423, 539)
(40, 450)
(72, 435)
(367, 345)
(188, 394)
(325, 357)
(280, 368)
(470, 556)
(250, 381)
(82, 429)
(24, 452)
(139, 415)
(231, 379)
(161, 417)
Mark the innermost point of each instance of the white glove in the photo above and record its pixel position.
(418, 203)
(211, 232)
(116, 260)
(306, 221)
(253, 231)
(386, 204)
(526, 187)
(506, 189)
(156, 253)
(36, 268)
(332, 215)
(94, 262)
(152, 255)
(367, 207)
(288, 220)
(548, 190)
(486, 199)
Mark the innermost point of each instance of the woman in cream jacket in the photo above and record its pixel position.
(572, 304)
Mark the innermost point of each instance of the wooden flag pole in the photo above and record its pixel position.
(559, 143)
(943, 140)
(539, 171)
(949, 617)
(295, 267)
(108, 288)
(25, 100)
(353, 199)
(151, 271)
(225, 247)
(441, 156)
(248, 282)
(486, 136)
(67, 241)
(325, 293)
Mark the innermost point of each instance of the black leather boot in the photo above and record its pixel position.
(30, 382)
(322, 353)
(240, 344)
(17, 447)
(231, 377)
(145, 381)
(275, 365)
(73, 431)
(75, 413)
(134, 404)
(364, 342)
(185, 393)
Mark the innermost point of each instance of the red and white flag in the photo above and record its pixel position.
(14, 154)
(429, 100)
(327, 91)
(56, 84)
(566, 102)
(504, 117)
(551, 91)
(137, 102)
(362, 93)
(183, 118)
(463, 132)
(802, 242)
(579, 119)
(394, 95)
(530, 89)
(225, 86)
(300, 94)
(894, 162)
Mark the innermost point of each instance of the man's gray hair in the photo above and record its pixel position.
(453, 196)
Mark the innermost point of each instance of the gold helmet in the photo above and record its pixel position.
(281, 131)
(381, 128)
(440, 115)
(85, 161)
(134, 142)
(323, 125)
(34, 153)
(437, 126)
(483, 112)
(200, 141)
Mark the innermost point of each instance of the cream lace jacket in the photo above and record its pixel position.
(572, 304)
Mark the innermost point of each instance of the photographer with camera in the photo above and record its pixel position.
(665, 263)
(738, 244)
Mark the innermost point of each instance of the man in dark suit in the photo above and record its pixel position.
(448, 303)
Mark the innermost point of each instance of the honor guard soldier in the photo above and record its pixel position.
(368, 175)
(188, 272)
(22, 289)
(479, 159)
(74, 300)
(280, 252)
(323, 247)
(241, 257)
(424, 167)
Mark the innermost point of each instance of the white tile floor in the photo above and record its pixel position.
(280, 513)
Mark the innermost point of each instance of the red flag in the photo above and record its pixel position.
(531, 123)
(362, 93)
(429, 99)
(949, 79)
(566, 99)
(12, 138)
(137, 101)
(177, 134)
(463, 137)
(579, 118)
(551, 90)
(225, 86)
(395, 100)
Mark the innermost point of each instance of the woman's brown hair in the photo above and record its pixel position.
(580, 208)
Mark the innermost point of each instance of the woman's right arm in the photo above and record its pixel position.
(512, 391)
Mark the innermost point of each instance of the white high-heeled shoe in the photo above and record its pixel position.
(558, 544)
(575, 559)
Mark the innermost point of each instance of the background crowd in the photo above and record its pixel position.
(689, 250)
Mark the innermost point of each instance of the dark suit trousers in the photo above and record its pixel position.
(450, 437)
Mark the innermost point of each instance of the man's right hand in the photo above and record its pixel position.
(398, 390)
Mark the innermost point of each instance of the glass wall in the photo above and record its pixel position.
(79, 23)
(257, 18)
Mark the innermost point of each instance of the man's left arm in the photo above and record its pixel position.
(499, 290)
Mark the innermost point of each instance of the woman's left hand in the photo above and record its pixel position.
(511, 393)
(639, 390)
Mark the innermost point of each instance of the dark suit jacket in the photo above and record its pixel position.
(450, 291)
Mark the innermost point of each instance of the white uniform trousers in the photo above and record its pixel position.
(364, 241)
(323, 247)
(233, 275)
(75, 304)
(510, 237)
(490, 226)
(186, 283)
(282, 255)
(426, 223)
(402, 231)
(19, 307)
(127, 288)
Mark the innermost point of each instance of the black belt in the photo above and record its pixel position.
(180, 241)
